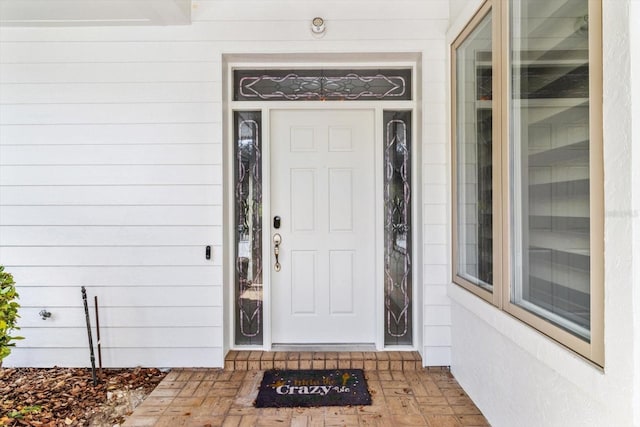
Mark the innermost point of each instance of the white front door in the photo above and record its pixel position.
(322, 188)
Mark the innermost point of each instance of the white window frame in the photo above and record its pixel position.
(503, 267)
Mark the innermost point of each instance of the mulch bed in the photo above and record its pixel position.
(66, 396)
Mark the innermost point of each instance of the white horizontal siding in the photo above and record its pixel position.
(110, 72)
(436, 253)
(105, 12)
(331, 11)
(122, 317)
(113, 53)
(70, 174)
(111, 142)
(60, 236)
(436, 332)
(132, 297)
(113, 133)
(437, 213)
(108, 93)
(121, 52)
(76, 337)
(40, 114)
(125, 195)
(116, 275)
(107, 255)
(119, 357)
(410, 28)
(14, 51)
(436, 295)
(112, 215)
(130, 154)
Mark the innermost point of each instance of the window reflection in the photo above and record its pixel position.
(550, 161)
(474, 150)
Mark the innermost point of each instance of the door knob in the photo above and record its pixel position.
(277, 239)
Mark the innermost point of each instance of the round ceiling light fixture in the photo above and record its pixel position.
(317, 25)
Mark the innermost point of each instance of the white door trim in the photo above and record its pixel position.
(266, 107)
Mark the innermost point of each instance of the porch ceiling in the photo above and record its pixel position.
(23, 13)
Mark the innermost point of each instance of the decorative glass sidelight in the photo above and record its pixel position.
(397, 228)
(248, 227)
(322, 85)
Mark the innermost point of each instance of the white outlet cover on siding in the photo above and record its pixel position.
(48, 13)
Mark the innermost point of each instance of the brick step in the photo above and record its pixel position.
(380, 361)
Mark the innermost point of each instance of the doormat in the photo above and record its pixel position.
(330, 387)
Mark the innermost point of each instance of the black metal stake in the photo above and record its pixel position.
(95, 299)
(86, 315)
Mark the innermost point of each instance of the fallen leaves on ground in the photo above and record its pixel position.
(55, 397)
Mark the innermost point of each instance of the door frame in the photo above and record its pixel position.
(338, 61)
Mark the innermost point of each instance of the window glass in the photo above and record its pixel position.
(549, 161)
(474, 124)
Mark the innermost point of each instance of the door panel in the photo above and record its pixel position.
(303, 199)
(340, 200)
(322, 186)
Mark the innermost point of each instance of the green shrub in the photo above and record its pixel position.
(8, 313)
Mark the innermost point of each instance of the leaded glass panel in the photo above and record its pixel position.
(248, 227)
(397, 227)
(322, 85)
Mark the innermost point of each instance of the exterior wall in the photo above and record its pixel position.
(111, 147)
(457, 8)
(635, 112)
(518, 376)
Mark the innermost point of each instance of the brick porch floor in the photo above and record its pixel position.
(215, 397)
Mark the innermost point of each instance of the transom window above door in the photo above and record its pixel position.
(323, 85)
